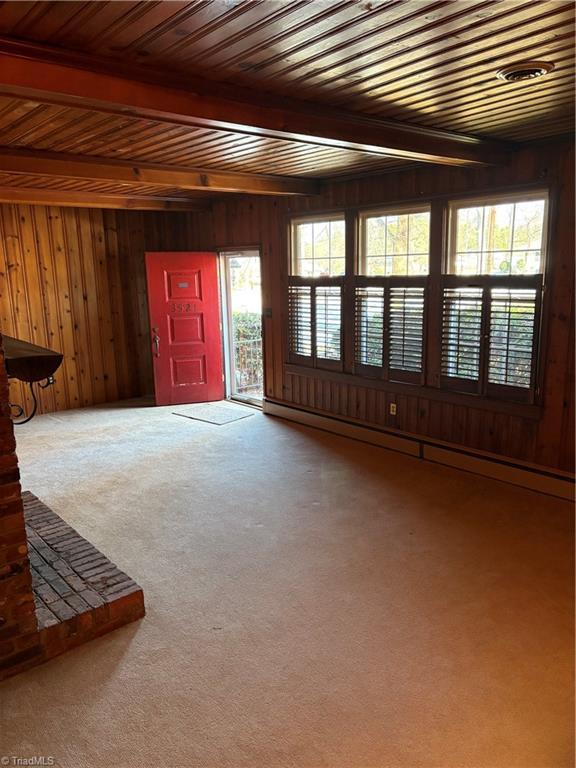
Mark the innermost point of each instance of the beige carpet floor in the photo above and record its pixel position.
(313, 602)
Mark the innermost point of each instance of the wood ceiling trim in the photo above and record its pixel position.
(66, 79)
(81, 132)
(99, 169)
(93, 200)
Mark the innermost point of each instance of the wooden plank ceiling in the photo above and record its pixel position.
(428, 63)
(30, 124)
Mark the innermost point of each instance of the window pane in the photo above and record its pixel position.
(396, 234)
(328, 322)
(306, 268)
(395, 244)
(321, 240)
(419, 232)
(375, 235)
(320, 248)
(369, 325)
(528, 237)
(469, 230)
(399, 265)
(300, 320)
(337, 240)
(338, 266)
(499, 239)
(406, 327)
(512, 320)
(376, 265)
(304, 246)
(461, 332)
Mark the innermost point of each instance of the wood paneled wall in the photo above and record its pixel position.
(543, 436)
(74, 280)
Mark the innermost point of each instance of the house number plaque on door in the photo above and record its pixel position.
(180, 308)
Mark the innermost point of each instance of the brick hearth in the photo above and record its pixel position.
(78, 593)
(56, 589)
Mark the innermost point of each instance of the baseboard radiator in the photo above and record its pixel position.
(540, 479)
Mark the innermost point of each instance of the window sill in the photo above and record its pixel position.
(526, 411)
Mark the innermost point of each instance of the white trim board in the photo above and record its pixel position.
(487, 465)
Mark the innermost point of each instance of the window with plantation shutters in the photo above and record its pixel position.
(491, 296)
(390, 293)
(443, 295)
(315, 291)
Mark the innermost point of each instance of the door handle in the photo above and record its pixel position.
(156, 342)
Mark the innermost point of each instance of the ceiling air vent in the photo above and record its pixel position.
(524, 70)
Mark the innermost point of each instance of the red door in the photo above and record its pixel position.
(185, 327)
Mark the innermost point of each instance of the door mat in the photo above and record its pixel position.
(213, 413)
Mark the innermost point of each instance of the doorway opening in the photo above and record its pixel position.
(242, 314)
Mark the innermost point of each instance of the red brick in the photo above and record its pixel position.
(7, 647)
(20, 657)
(13, 554)
(11, 508)
(11, 523)
(130, 604)
(9, 492)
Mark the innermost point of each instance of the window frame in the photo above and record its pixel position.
(293, 248)
(388, 282)
(395, 210)
(455, 204)
(313, 360)
(535, 281)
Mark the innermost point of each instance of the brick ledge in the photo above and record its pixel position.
(78, 593)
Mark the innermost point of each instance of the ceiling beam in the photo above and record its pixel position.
(56, 197)
(72, 79)
(54, 164)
